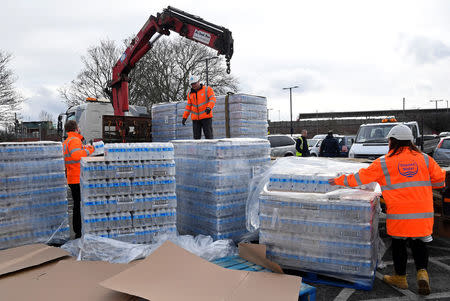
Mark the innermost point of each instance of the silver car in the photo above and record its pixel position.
(442, 152)
(281, 146)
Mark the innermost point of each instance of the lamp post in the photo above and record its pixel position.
(207, 62)
(290, 99)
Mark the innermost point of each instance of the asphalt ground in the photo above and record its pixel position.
(438, 271)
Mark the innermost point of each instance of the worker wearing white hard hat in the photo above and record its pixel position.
(407, 177)
(200, 103)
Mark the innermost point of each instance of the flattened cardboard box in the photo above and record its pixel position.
(16, 259)
(33, 274)
(172, 273)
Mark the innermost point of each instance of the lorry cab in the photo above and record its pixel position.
(89, 117)
(371, 140)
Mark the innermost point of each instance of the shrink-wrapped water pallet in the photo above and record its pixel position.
(129, 194)
(212, 183)
(33, 194)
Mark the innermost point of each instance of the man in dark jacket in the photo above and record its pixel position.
(301, 145)
(329, 146)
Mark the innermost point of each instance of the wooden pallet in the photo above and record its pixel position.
(307, 292)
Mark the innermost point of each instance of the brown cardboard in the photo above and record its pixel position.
(16, 259)
(172, 273)
(257, 254)
(67, 280)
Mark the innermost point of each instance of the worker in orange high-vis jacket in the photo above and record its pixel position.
(200, 103)
(73, 152)
(406, 177)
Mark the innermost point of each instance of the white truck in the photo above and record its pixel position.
(89, 117)
(371, 141)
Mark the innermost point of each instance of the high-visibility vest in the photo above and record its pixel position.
(406, 181)
(73, 152)
(299, 154)
(197, 102)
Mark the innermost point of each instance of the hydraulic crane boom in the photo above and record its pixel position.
(187, 25)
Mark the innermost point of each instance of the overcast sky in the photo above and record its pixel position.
(344, 55)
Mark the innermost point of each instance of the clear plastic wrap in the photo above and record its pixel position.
(33, 194)
(91, 247)
(295, 174)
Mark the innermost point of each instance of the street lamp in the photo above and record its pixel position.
(290, 99)
(207, 61)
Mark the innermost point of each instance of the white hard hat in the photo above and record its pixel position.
(401, 132)
(193, 79)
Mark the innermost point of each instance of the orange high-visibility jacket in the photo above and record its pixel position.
(73, 152)
(197, 102)
(406, 181)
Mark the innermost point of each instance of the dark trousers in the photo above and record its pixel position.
(76, 219)
(399, 255)
(206, 125)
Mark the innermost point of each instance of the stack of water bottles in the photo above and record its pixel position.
(164, 121)
(212, 183)
(33, 194)
(183, 131)
(129, 194)
(247, 116)
(312, 226)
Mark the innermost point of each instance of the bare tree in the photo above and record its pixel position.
(94, 76)
(10, 99)
(45, 116)
(160, 76)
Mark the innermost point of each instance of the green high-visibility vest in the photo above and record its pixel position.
(298, 154)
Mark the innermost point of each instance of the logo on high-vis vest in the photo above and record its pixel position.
(408, 169)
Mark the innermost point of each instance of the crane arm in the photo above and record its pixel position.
(171, 19)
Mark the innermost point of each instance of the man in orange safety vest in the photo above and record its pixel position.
(200, 103)
(74, 150)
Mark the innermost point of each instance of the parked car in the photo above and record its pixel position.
(345, 143)
(442, 152)
(281, 146)
(314, 147)
(444, 134)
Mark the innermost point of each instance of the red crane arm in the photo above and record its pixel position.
(171, 19)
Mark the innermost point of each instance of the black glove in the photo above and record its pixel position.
(183, 121)
(208, 110)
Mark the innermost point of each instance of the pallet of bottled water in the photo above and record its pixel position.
(183, 131)
(312, 226)
(33, 194)
(212, 183)
(129, 194)
(247, 116)
(164, 121)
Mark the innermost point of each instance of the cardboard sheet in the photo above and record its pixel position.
(16, 259)
(67, 280)
(172, 273)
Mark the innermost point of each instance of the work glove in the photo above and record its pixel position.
(208, 110)
(183, 121)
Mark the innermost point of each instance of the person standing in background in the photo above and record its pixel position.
(301, 145)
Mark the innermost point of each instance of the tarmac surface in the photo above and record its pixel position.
(438, 270)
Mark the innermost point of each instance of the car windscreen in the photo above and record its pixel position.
(374, 133)
(445, 144)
